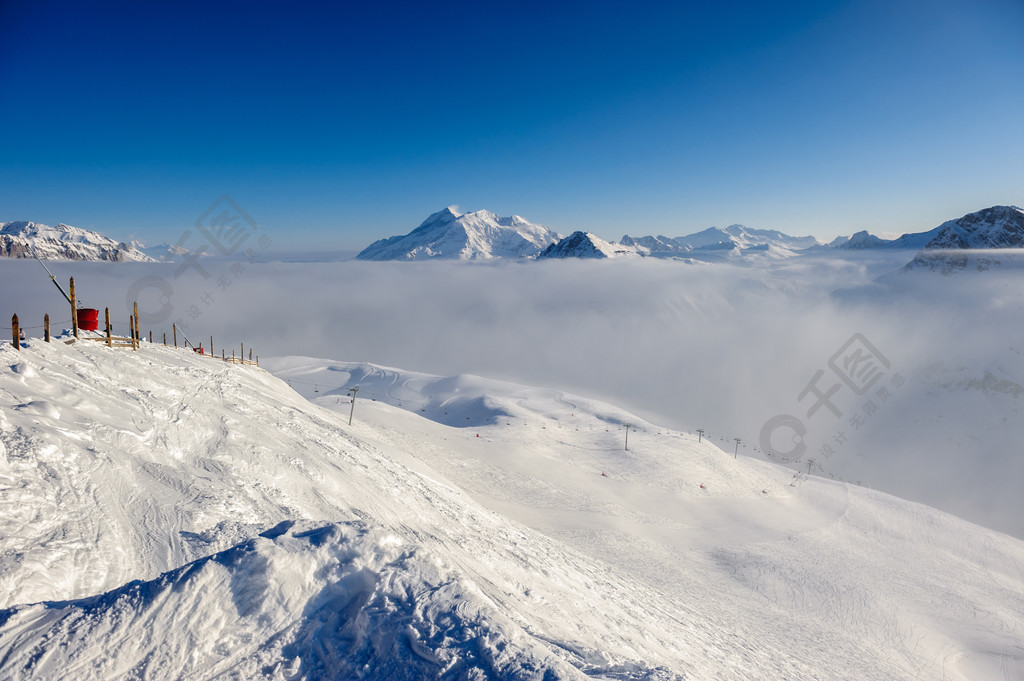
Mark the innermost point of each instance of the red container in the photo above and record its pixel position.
(88, 319)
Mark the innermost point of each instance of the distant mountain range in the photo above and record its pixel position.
(731, 238)
(482, 235)
(63, 242)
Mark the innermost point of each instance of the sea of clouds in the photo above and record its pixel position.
(725, 348)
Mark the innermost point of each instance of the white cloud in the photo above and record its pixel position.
(722, 348)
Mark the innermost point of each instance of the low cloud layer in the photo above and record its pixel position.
(721, 348)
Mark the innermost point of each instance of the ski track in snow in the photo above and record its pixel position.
(168, 516)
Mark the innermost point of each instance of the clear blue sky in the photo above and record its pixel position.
(336, 124)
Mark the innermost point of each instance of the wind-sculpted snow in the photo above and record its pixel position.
(302, 600)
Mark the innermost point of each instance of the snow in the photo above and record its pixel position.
(63, 242)
(732, 238)
(586, 245)
(982, 240)
(166, 515)
(449, 234)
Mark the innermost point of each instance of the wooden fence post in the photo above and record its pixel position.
(174, 330)
(211, 346)
(16, 332)
(106, 319)
(135, 316)
(46, 327)
(165, 338)
(131, 330)
(74, 308)
(241, 352)
(222, 356)
(151, 336)
(250, 354)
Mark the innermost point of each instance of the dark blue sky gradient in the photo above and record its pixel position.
(334, 125)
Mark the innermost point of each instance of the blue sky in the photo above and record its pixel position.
(334, 125)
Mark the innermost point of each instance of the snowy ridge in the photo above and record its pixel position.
(63, 242)
(731, 238)
(979, 240)
(451, 235)
(526, 543)
(585, 245)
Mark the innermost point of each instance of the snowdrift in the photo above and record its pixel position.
(300, 601)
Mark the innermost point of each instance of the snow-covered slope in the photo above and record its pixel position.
(449, 234)
(694, 522)
(183, 518)
(968, 241)
(585, 245)
(63, 242)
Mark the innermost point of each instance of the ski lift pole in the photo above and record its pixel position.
(187, 341)
(52, 278)
(353, 391)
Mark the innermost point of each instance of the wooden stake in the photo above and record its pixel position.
(151, 336)
(16, 332)
(211, 346)
(74, 308)
(165, 338)
(46, 327)
(135, 316)
(250, 354)
(106, 320)
(174, 329)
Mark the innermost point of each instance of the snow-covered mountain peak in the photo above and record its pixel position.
(20, 239)
(581, 244)
(862, 239)
(964, 241)
(479, 235)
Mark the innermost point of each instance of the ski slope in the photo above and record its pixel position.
(165, 515)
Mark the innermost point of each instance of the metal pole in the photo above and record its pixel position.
(737, 452)
(52, 278)
(353, 409)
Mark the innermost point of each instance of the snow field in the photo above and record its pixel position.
(134, 488)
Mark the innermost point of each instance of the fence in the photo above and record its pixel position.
(133, 340)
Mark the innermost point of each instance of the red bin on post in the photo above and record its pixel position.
(88, 319)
